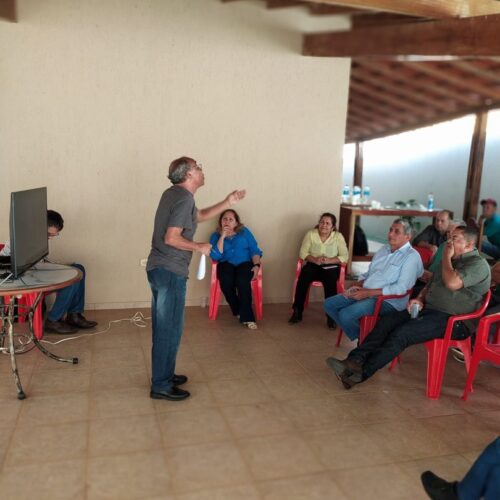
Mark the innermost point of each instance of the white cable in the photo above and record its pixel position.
(138, 319)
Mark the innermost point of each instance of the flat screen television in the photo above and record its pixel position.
(28, 229)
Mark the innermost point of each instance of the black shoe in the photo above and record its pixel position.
(179, 379)
(175, 394)
(330, 323)
(78, 320)
(59, 327)
(344, 373)
(437, 488)
(296, 317)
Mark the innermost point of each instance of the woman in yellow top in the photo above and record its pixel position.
(323, 250)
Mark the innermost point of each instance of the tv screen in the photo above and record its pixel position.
(28, 229)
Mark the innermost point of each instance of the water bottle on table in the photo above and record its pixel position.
(430, 201)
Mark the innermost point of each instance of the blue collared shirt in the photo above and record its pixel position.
(394, 272)
(237, 249)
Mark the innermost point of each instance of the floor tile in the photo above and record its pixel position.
(202, 425)
(127, 434)
(311, 487)
(206, 466)
(47, 443)
(134, 475)
(272, 457)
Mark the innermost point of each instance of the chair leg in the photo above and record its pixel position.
(467, 355)
(214, 302)
(257, 298)
(476, 359)
(339, 337)
(436, 361)
(394, 362)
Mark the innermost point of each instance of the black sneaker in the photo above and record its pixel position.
(175, 394)
(437, 488)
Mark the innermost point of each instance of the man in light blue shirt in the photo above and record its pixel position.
(393, 270)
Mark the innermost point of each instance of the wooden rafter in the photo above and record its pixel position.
(438, 9)
(8, 10)
(392, 83)
(374, 93)
(485, 91)
(476, 36)
(475, 70)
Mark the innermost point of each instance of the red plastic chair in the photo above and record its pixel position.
(215, 292)
(483, 349)
(367, 323)
(340, 281)
(28, 300)
(437, 350)
(425, 254)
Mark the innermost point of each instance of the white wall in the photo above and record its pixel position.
(98, 96)
(412, 164)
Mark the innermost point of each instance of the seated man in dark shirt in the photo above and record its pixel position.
(457, 287)
(434, 234)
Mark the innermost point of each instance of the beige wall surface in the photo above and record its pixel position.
(98, 96)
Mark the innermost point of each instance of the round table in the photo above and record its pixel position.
(42, 278)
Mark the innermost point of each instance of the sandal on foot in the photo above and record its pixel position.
(251, 325)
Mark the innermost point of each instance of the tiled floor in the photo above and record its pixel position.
(266, 420)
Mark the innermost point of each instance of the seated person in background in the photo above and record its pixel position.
(323, 250)
(434, 234)
(457, 287)
(393, 270)
(70, 301)
(482, 480)
(491, 246)
(238, 255)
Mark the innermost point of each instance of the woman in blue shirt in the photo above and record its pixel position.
(238, 255)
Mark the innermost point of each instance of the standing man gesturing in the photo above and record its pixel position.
(171, 251)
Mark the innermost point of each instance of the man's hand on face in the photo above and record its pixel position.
(449, 250)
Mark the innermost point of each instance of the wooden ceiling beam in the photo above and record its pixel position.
(384, 113)
(8, 10)
(426, 123)
(390, 81)
(437, 9)
(488, 92)
(475, 36)
(469, 67)
(279, 4)
(375, 93)
(375, 121)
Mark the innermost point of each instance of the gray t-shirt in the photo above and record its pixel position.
(176, 209)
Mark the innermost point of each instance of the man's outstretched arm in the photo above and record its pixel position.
(230, 200)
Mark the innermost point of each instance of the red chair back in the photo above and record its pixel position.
(437, 350)
(426, 255)
(215, 293)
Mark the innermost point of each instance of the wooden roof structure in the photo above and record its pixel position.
(414, 63)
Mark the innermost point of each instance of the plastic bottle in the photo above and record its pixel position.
(346, 194)
(356, 195)
(430, 202)
(366, 194)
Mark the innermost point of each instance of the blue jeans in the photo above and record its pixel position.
(483, 478)
(347, 312)
(70, 299)
(490, 249)
(167, 314)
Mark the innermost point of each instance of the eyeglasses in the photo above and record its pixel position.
(198, 166)
(51, 235)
